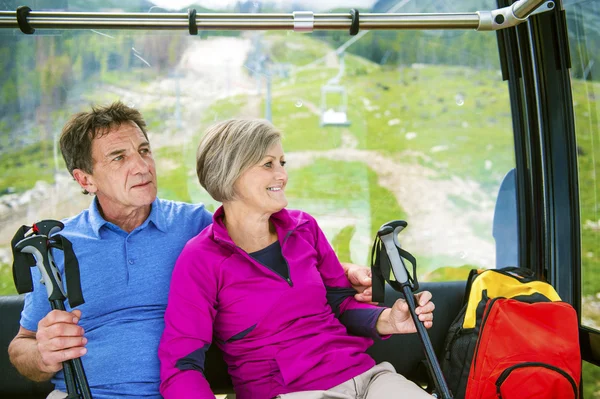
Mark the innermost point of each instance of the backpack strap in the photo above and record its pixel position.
(72, 275)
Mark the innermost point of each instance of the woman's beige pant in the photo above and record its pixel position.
(379, 382)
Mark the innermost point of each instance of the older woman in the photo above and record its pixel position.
(265, 283)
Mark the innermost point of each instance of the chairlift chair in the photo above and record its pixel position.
(335, 115)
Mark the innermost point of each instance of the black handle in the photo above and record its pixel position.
(47, 227)
(37, 246)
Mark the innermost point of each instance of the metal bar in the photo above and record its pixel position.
(240, 22)
(481, 20)
(523, 8)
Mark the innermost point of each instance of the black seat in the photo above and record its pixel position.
(403, 351)
(12, 384)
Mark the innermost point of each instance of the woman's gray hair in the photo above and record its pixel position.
(228, 149)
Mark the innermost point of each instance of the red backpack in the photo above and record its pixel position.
(516, 339)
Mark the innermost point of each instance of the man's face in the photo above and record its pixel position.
(123, 175)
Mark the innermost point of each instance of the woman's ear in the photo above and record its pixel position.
(85, 180)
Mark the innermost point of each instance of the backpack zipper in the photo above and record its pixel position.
(510, 369)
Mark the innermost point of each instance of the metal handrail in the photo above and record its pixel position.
(304, 21)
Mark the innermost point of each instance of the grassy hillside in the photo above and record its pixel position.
(586, 124)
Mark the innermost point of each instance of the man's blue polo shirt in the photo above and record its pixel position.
(125, 283)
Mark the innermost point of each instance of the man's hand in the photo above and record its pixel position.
(397, 319)
(59, 338)
(360, 278)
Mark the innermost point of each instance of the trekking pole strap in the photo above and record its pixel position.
(72, 275)
(21, 263)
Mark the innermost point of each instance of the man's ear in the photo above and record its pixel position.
(85, 180)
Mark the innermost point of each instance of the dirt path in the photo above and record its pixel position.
(426, 201)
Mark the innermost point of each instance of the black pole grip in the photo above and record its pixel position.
(47, 227)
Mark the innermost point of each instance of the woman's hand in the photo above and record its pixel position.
(360, 278)
(397, 319)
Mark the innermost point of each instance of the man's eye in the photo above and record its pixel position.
(145, 151)
(120, 157)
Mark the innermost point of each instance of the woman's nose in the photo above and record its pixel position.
(281, 173)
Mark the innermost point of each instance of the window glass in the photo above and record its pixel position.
(411, 125)
(583, 18)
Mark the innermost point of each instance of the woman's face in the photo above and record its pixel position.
(262, 186)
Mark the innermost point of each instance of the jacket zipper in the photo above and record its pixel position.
(287, 280)
(510, 369)
(250, 258)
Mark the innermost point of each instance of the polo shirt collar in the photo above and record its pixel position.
(157, 216)
(97, 221)
(95, 218)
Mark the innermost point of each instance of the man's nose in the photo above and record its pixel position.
(140, 164)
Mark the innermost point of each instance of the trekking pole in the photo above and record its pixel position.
(388, 234)
(38, 245)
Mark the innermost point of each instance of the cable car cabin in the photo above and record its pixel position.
(477, 122)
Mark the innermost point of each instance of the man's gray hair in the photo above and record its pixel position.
(228, 149)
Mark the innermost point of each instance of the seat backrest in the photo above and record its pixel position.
(505, 228)
(12, 384)
(403, 351)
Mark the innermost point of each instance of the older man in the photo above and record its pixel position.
(127, 243)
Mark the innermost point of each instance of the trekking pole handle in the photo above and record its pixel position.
(37, 245)
(388, 233)
(47, 227)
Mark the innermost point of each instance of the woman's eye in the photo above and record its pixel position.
(269, 164)
(283, 163)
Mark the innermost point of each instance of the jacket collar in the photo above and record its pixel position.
(283, 221)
